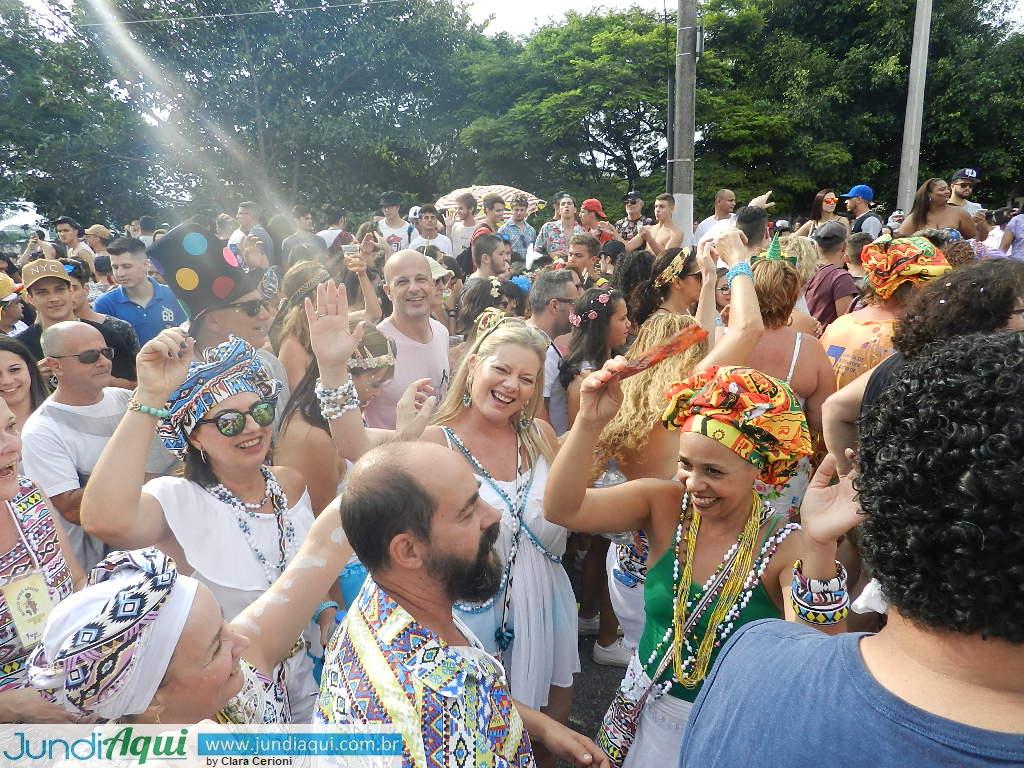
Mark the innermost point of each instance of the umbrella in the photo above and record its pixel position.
(507, 193)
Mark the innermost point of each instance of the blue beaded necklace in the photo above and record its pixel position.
(503, 635)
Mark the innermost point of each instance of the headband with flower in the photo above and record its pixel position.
(596, 307)
(495, 288)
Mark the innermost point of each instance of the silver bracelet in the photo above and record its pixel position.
(336, 402)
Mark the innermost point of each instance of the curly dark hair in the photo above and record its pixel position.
(971, 299)
(941, 456)
(632, 269)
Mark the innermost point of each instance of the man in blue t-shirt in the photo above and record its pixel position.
(138, 299)
(942, 684)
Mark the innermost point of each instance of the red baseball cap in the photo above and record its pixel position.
(594, 205)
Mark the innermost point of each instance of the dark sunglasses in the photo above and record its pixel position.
(90, 356)
(252, 307)
(231, 423)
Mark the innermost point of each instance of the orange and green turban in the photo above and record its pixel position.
(751, 413)
(890, 263)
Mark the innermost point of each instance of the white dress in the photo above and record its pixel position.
(545, 650)
(208, 532)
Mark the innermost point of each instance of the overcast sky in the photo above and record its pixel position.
(517, 17)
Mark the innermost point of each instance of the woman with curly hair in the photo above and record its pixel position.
(981, 298)
(860, 340)
(940, 497)
(823, 208)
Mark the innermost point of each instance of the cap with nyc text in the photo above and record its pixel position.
(967, 174)
(40, 269)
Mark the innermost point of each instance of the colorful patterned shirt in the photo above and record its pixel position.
(37, 548)
(552, 238)
(451, 704)
(628, 229)
(521, 237)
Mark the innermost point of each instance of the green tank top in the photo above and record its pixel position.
(658, 592)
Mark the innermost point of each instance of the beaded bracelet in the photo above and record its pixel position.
(817, 601)
(336, 402)
(740, 268)
(135, 405)
(324, 606)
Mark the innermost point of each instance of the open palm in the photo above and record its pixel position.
(329, 335)
(829, 509)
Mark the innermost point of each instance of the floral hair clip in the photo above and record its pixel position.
(574, 319)
(599, 302)
(495, 288)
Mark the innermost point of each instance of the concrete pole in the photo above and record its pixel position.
(915, 105)
(681, 154)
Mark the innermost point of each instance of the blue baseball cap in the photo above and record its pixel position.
(861, 190)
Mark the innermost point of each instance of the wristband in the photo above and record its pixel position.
(135, 405)
(324, 606)
(742, 268)
(820, 602)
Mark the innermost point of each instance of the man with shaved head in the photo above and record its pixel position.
(725, 203)
(64, 437)
(421, 343)
(413, 514)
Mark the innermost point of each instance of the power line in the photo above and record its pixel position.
(236, 15)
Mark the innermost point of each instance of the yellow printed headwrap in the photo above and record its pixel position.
(890, 263)
(749, 412)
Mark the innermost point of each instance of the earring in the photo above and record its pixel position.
(525, 422)
(466, 400)
(202, 454)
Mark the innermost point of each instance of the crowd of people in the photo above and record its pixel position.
(263, 473)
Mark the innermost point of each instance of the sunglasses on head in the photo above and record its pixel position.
(90, 356)
(252, 307)
(232, 422)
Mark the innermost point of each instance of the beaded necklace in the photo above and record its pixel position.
(245, 514)
(517, 507)
(730, 585)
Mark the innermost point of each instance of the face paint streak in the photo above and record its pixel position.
(248, 624)
(338, 535)
(308, 561)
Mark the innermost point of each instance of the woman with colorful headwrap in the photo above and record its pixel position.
(736, 425)
(236, 521)
(860, 340)
(159, 649)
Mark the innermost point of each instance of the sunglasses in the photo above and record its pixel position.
(830, 200)
(231, 423)
(252, 307)
(90, 356)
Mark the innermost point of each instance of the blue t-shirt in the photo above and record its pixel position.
(162, 311)
(783, 694)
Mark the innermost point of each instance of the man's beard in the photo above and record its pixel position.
(474, 581)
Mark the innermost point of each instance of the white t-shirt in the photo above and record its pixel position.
(328, 236)
(413, 361)
(396, 237)
(441, 242)
(705, 226)
(461, 234)
(20, 326)
(61, 445)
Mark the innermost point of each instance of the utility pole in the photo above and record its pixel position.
(681, 154)
(915, 105)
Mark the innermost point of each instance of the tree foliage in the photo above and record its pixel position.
(109, 115)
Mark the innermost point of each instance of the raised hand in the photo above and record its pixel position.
(731, 247)
(761, 201)
(162, 364)
(600, 393)
(329, 335)
(829, 509)
(415, 409)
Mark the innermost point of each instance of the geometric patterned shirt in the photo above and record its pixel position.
(452, 705)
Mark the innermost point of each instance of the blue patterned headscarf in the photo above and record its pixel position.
(228, 369)
(105, 649)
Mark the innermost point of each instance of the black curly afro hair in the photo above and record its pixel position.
(942, 487)
(972, 299)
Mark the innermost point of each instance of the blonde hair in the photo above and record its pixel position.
(643, 395)
(511, 330)
(777, 286)
(291, 321)
(806, 253)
